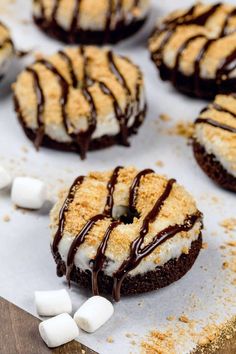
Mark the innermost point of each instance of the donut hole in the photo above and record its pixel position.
(124, 214)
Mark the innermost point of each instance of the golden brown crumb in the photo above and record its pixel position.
(182, 128)
(184, 319)
(204, 245)
(6, 218)
(225, 265)
(165, 117)
(170, 318)
(110, 339)
(160, 163)
(229, 224)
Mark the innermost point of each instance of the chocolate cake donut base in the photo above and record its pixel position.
(170, 272)
(213, 168)
(80, 36)
(95, 144)
(195, 87)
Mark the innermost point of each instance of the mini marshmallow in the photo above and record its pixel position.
(5, 178)
(93, 313)
(58, 330)
(28, 193)
(52, 303)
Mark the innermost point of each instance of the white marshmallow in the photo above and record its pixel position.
(52, 303)
(93, 313)
(5, 178)
(29, 193)
(58, 330)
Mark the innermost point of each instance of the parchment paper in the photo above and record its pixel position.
(25, 260)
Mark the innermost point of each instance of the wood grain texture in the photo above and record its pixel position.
(19, 334)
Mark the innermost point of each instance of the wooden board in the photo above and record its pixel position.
(19, 334)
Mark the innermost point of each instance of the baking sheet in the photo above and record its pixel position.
(25, 259)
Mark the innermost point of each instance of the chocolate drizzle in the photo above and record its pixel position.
(195, 81)
(40, 107)
(80, 238)
(216, 124)
(70, 67)
(100, 257)
(69, 199)
(110, 188)
(134, 188)
(135, 256)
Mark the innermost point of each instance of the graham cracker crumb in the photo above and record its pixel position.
(159, 163)
(170, 318)
(165, 117)
(204, 245)
(182, 128)
(110, 340)
(6, 218)
(229, 224)
(184, 319)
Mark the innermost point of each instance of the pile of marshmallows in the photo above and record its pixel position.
(62, 328)
(26, 192)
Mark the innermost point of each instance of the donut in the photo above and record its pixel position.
(90, 21)
(79, 99)
(195, 49)
(125, 231)
(6, 50)
(214, 142)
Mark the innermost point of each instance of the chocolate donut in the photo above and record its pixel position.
(125, 232)
(90, 21)
(214, 142)
(80, 99)
(195, 49)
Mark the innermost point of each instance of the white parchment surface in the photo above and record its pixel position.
(25, 260)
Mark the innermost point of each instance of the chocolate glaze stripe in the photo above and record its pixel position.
(40, 107)
(232, 13)
(159, 239)
(201, 19)
(115, 70)
(111, 188)
(135, 249)
(83, 138)
(75, 19)
(134, 188)
(216, 124)
(219, 108)
(69, 199)
(42, 9)
(120, 78)
(64, 89)
(226, 67)
(79, 240)
(69, 63)
(180, 52)
(100, 257)
(109, 17)
(197, 65)
(5, 42)
(120, 115)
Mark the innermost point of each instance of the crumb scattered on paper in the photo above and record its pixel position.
(165, 117)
